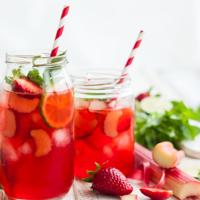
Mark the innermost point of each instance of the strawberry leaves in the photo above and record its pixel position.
(35, 77)
(92, 173)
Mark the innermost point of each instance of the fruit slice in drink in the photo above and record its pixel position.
(85, 123)
(8, 123)
(22, 104)
(56, 108)
(42, 141)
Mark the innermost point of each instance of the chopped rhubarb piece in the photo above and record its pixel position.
(137, 174)
(146, 173)
(166, 156)
(8, 123)
(156, 194)
(21, 104)
(42, 141)
(146, 176)
(182, 185)
(111, 123)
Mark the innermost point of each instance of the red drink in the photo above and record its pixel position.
(37, 149)
(103, 127)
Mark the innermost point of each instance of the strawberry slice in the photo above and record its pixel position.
(8, 123)
(85, 123)
(155, 193)
(42, 141)
(98, 140)
(125, 121)
(21, 104)
(26, 86)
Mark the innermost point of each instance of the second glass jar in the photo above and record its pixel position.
(104, 120)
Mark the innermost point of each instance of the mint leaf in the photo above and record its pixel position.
(16, 73)
(172, 125)
(9, 80)
(35, 77)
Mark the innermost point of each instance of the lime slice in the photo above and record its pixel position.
(57, 108)
(155, 105)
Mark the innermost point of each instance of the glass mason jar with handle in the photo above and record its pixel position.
(36, 123)
(104, 119)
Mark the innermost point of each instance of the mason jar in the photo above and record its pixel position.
(36, 127)
(104, 122)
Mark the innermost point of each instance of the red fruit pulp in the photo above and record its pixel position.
(104, 141)
(36, 166)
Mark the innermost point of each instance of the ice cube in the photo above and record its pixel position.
(4, 99)
(61, 137)
(81, 103)
(108, 151)
(96, 105)
(25, 148)
(124, 103)
(9, 152)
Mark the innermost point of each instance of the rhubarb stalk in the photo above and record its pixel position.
(182, 185)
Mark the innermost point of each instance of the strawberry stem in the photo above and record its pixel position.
(92, 173)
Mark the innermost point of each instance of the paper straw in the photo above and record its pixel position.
(59, 32)
(131, 57)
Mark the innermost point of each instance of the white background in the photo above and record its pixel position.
(100, 33)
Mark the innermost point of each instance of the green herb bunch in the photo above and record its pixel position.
(175, 124)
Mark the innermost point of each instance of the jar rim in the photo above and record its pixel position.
(35, 58)
(98, 84)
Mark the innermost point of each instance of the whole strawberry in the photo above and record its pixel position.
(142, 96)
(111, 181)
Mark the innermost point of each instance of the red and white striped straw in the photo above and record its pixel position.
(59, 31)
(131, 57)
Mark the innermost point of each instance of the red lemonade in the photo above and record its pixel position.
(36, 133)
(103, 135)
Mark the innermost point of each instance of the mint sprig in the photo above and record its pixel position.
(35, 77)
(16, 73)
(173, 125)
